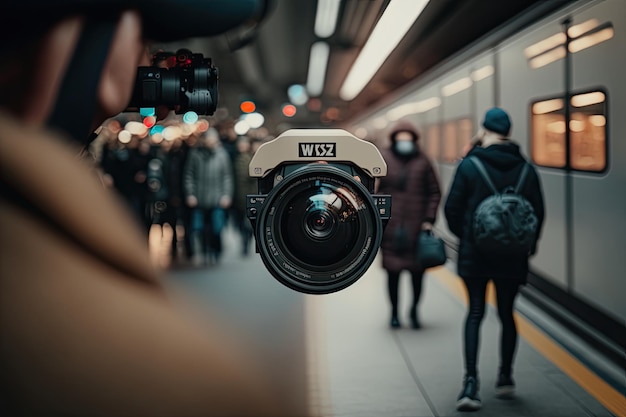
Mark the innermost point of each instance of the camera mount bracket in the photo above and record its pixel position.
(331, 145)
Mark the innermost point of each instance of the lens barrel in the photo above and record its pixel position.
(192, 87)
(318, 229)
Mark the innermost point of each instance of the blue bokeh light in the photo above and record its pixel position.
(156, 129)
(190, 117)
(147, 111)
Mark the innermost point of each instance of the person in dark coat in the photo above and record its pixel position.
(244, 185)
(503, 162)
(414, 188)
(209, 183)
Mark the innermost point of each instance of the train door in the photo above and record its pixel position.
(598, 155)
(519, 84)
(560, 90)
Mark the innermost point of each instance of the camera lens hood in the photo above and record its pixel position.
(318, 230)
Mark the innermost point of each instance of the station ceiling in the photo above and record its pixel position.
(278, 54)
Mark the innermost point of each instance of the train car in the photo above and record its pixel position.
(560, 77)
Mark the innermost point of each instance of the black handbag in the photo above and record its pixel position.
(431, 250)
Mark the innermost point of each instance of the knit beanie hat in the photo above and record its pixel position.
(497, 120)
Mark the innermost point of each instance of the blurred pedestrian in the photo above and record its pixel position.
(209, 187)
(163, 180)
(504, 163)
(244, 185)
(414, 188)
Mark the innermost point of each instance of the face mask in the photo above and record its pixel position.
(405, 147)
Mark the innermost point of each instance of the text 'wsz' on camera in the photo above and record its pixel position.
(318, 224)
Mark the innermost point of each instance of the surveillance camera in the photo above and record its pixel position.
(318, 224)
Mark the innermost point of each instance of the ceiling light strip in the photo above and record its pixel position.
(318, 60)
(326, 17)
(395, 22)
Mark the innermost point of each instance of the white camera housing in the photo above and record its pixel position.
(318, 224)
(311, 145)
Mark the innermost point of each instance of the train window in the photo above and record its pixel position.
(582, 36)
(465, 136)
(457, 135)
(588, 132)
(587, 126)
(548, 133)
(449, 141)
(433, 140)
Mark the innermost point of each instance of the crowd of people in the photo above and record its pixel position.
(196, 184)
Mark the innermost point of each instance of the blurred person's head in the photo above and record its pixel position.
(210, 139)
(497, 121)
(193, 140)
(144, 146)
(255, 144)
(496, 127)
(50, 52)
(177, 144)
(73, 62)
(243, 144)
(166, 145)
(226, 130)
(403, 138)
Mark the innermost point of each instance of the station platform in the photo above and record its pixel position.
(340, 345)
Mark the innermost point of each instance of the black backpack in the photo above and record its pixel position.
(504, 223)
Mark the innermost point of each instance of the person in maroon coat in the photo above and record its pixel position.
(415, 191)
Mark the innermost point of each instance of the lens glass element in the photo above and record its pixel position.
(319, 225)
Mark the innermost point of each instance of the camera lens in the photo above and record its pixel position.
(191, 84)
(319, 223)
(318, 230)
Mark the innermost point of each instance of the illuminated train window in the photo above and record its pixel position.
(456, 138)
(465, 136)
(433, 141)
(548, 133)
(582, 36)
(449, 142)
(588, 121)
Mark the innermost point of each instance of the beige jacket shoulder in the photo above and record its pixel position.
(85, 325)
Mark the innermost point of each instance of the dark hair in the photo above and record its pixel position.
(414, 134)
(404, 126)
(16, 74)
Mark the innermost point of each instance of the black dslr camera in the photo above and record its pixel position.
(318, 224)
(187, 81)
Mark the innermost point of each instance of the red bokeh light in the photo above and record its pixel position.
(149, 121)
(289, 110)
(202, 126)
(314, 104)
(247, 106)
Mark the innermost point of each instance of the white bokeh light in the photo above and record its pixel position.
(254, 120)
(172, 133)
(124, 136)
(136, 128)
(242, 127)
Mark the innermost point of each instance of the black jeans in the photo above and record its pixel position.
(393, 284)
(506, 290)
(209, 239)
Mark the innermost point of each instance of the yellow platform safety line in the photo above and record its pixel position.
(610, 398)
